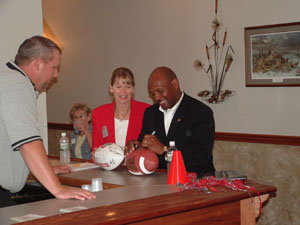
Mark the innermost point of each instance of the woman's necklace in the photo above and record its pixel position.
(124, 117)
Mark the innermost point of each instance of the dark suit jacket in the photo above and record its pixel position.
(192, 129)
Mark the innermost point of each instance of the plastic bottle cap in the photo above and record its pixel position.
(63, 134)
(172, 143)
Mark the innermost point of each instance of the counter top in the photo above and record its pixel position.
(120, 176)
(143, 200)
(111, 179)
(133, 188)
(103, 198)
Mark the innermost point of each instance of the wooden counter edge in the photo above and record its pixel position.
(155, 207)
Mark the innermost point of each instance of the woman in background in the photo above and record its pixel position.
(81, 138)
(121, 120)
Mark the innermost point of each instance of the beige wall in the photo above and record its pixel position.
(100, 35)
(17, 24)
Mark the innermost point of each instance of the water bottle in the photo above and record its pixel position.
(64, 149)
(169, 154)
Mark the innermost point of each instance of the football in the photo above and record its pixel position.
(109, 156)
(142, 162)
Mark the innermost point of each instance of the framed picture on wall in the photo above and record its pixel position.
(272, 54)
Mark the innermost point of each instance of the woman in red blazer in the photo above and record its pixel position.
(121, 120)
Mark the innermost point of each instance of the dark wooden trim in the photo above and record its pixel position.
(258, 138)
(223, 136)
(272, 25)
(60, 126)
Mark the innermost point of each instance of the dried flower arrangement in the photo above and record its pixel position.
(218, 65)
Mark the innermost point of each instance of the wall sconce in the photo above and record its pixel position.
(48, 33)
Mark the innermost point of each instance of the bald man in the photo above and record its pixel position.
(175, 116)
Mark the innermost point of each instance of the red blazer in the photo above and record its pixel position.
(103, 123)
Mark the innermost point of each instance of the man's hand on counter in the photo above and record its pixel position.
(62, 169)
(67, 192)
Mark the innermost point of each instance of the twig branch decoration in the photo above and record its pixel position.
(218, 65)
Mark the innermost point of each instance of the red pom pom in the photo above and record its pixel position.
(142, 162)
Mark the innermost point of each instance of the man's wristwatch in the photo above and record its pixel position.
(165, 148)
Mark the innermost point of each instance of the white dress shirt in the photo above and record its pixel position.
(169, 114)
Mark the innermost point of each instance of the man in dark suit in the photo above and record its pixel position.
(175, 116)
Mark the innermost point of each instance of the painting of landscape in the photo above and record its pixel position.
(275, 55)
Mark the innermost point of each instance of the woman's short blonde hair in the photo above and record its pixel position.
(79, 106)
(122, 72)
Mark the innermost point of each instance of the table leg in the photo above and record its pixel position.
(250, 209)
